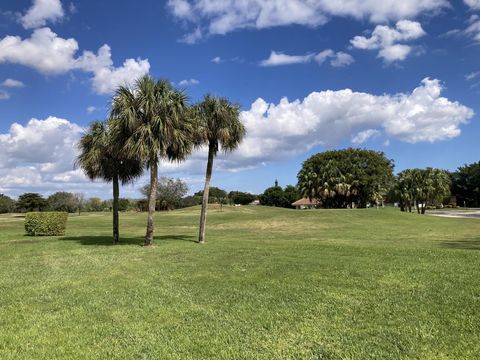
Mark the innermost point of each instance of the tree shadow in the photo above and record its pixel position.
(473, 244)
(106, 240)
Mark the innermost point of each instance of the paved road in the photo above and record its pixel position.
(469, 214)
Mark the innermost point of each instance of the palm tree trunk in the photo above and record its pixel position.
(206, 190)
(152, 199)
(116, 233)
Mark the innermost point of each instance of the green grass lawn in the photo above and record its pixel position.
(269, 284)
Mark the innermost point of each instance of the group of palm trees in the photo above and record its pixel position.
(149, 122)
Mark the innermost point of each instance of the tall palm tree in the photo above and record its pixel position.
(100, 158)
(152, 118)
(218, 126)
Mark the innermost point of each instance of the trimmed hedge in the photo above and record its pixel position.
(45, 223)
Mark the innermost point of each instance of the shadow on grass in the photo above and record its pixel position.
(473, 244)
(105, 240)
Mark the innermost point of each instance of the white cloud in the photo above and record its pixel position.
(472, 75)
(39, 156)
(12, 83)
(217, 60)
(4, 95)
(325, 118)
(48, 53)
(342, 59)
(473, 29)
(386, 39)
(336, 59)
(91, 109)
(474, 4)
(192, 37)
(278, 58)
(365, 135)
(223, 16)
(189, 82)
(41, 12)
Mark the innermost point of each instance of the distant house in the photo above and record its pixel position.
(255, 202)
(306, 203)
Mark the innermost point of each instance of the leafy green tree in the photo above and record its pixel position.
(169, 193)
(124, 204)
(421, 187)
(291, 195)
(466, 185)
(218, 126)
(101, 158)
(338, 178)
(7, 204)
(31, 202)
(274, 196)
(215, 195)
(152, 122)
(242, 198)
(93, 204)
(63, 201)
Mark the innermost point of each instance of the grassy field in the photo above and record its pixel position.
(269, 284)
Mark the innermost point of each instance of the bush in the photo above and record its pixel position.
(45, 223)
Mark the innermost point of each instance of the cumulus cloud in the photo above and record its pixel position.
(216, 60)
(328, 117)
(91, 109)
(365, 135)
(12, 83)
(48, 53)
(473, 29)
(41, 12)
(387, 40)
(189, 82)
(336, 59)
(40, 154)
(4, 95)
(223, 16)
(473, 4)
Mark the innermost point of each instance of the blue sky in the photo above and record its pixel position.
(399, 77)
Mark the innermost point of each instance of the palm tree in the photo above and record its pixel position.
(152, 118)
(100, 158)
(217, 125)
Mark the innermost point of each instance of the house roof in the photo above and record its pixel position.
(306, 201)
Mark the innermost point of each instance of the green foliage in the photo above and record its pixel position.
(63, 201)
(215, 195)
(338, 178)
(46, 223)
(242, 198)
(31, 202)
(124, 204)
(274, 196)
(7, 204)
(466, 185)
(94, 204)
(170, 192)
(421, 188)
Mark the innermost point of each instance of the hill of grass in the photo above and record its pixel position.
(269, 284)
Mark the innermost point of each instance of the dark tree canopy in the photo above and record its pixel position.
(63, 201)
(31, 202)
(338, 178)
(466, 185)
(274, 196)
(169, 193)
(216, 195)
(421, 188)
(7, 204)
(242, 198)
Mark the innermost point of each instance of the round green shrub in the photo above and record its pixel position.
(45, 223)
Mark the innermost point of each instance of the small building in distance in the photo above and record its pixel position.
(306, 203)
